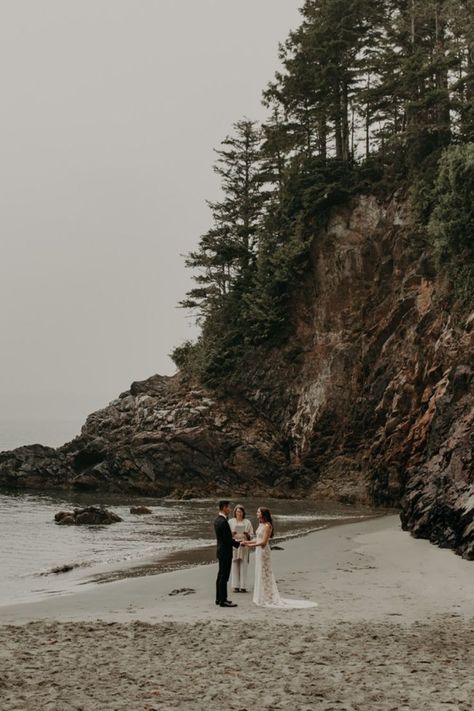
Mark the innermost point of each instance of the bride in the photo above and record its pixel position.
(265, 591)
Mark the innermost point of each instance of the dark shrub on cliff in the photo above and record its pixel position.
(451, 225)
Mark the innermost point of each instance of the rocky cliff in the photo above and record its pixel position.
(370, 400)
(165, 436)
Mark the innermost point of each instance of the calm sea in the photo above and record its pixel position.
(176, 534)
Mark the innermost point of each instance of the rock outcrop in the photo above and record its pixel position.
(375, 390)
(162, 437)
(370, 400)
(89, 516)
(140, 510)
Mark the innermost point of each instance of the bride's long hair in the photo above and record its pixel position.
(267, 517)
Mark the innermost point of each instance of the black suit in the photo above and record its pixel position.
(225, 543)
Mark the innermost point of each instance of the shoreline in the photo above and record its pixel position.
(366, 570)
(42, 559)
(392, 632)
(170, 562)
(196, 557)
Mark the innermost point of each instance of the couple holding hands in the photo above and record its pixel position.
(234, 539)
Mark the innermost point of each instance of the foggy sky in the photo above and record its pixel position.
(110, 110)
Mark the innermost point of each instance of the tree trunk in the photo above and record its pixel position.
(322, 136)
(338, 124)
(345, 121)
(468, 112)
(442, 117)
(367, 122)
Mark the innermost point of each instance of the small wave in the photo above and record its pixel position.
(170, 546)
(160, 513)
(316, 517)
(297, 534)
(192, 501)
(65, 568)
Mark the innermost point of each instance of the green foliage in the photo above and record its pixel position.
(422, 188)
(369, 96)
(279, 270)
(452, 221)
(226, 252)
(451, 225)
(184, 356)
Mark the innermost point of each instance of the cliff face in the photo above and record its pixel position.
(371, 399)
(375, 391)
(165, 436)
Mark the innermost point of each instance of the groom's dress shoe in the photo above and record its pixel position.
(228, 603)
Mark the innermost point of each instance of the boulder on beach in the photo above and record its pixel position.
(91, 515)
(141, 510)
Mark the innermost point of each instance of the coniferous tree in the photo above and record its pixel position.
(461, 25)
(412, 88)
(226, 253)
(395, 77)
(324, 61)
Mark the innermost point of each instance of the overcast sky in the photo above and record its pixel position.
(110, 112)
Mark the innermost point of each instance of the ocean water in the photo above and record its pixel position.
(176, 534)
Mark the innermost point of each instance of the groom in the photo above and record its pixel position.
(225, 543)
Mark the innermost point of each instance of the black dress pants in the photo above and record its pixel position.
(225, 565)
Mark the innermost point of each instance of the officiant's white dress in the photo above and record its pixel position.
(242, 531)
(265, 593)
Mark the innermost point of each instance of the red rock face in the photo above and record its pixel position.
(378, 405)
(370, 400)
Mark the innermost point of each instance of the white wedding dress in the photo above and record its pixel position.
(265, 592)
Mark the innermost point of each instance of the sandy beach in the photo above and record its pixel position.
(392, 630)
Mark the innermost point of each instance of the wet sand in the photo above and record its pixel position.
(392, 630)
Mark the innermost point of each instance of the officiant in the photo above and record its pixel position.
(242, 530)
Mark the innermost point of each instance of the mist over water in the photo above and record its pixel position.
(49, 432)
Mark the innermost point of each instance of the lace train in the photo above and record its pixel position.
(265, 592)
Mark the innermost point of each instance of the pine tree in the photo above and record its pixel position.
(396, 76)
(411, 91)
(462, 31)
(324, 61)
(226, 254)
